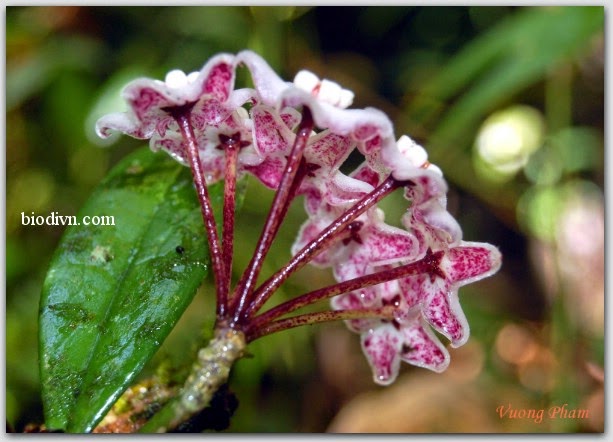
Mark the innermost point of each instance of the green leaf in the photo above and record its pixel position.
(113, 293)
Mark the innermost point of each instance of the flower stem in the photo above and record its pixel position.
(386, 312)
(324, 240)
(428, 264)
(276, 214)
(229, 207)
(182, 115)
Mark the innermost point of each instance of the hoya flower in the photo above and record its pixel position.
(370, 128)
(214, 108)
(149, 100)
(425, 301)
(413, 342)
(436, 293)
(415, 154)
(432, 239)
(213, 140)
(433, 225)
(371, 242)
(397, 286)
(386, 343)
(325, 90)
(325, 152)
(427, 216)
(367, 241)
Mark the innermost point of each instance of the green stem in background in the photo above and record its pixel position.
(558, 99)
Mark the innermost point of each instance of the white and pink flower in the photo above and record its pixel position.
(263, 124)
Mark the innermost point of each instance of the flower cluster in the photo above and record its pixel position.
(397, 286)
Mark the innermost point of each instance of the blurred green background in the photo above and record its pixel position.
(509, 102)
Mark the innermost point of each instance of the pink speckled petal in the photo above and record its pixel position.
(219, 79)
(364, 172)
(147, 97)
(433, 225)
(387, 244)
(313, 199)
(380, 244)
(121, 122)
(215, 80)
(208, 113)
(267, 83)
(269, 171)
(375, 244)
(309, 231)
(382, 346)
(291, 117)
(427, 185)
(270, 133)
(328, 150)
(446, 230)
(348, 268)
(422, 348)
(164, 124)
(443, 311)
(172, 143)
(470, 262)
(342, 189)
(362, 125)
(412, 289)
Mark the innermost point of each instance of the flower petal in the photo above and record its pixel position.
(268, 84)
(470, 262)
(382, 346)
(310, 230)
(374, 244)
(433, 225)
(328, 150)
(427, 185)
(422, 348)
(219, 80)
(443, 311)
(270, 133)
(362, 125)
(173, 143)
(341, 189)
(121, 122)
(364, 172)
(147, 97)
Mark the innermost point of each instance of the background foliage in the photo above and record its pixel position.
(509, 101)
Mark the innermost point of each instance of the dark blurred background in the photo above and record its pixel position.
(509, 102)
